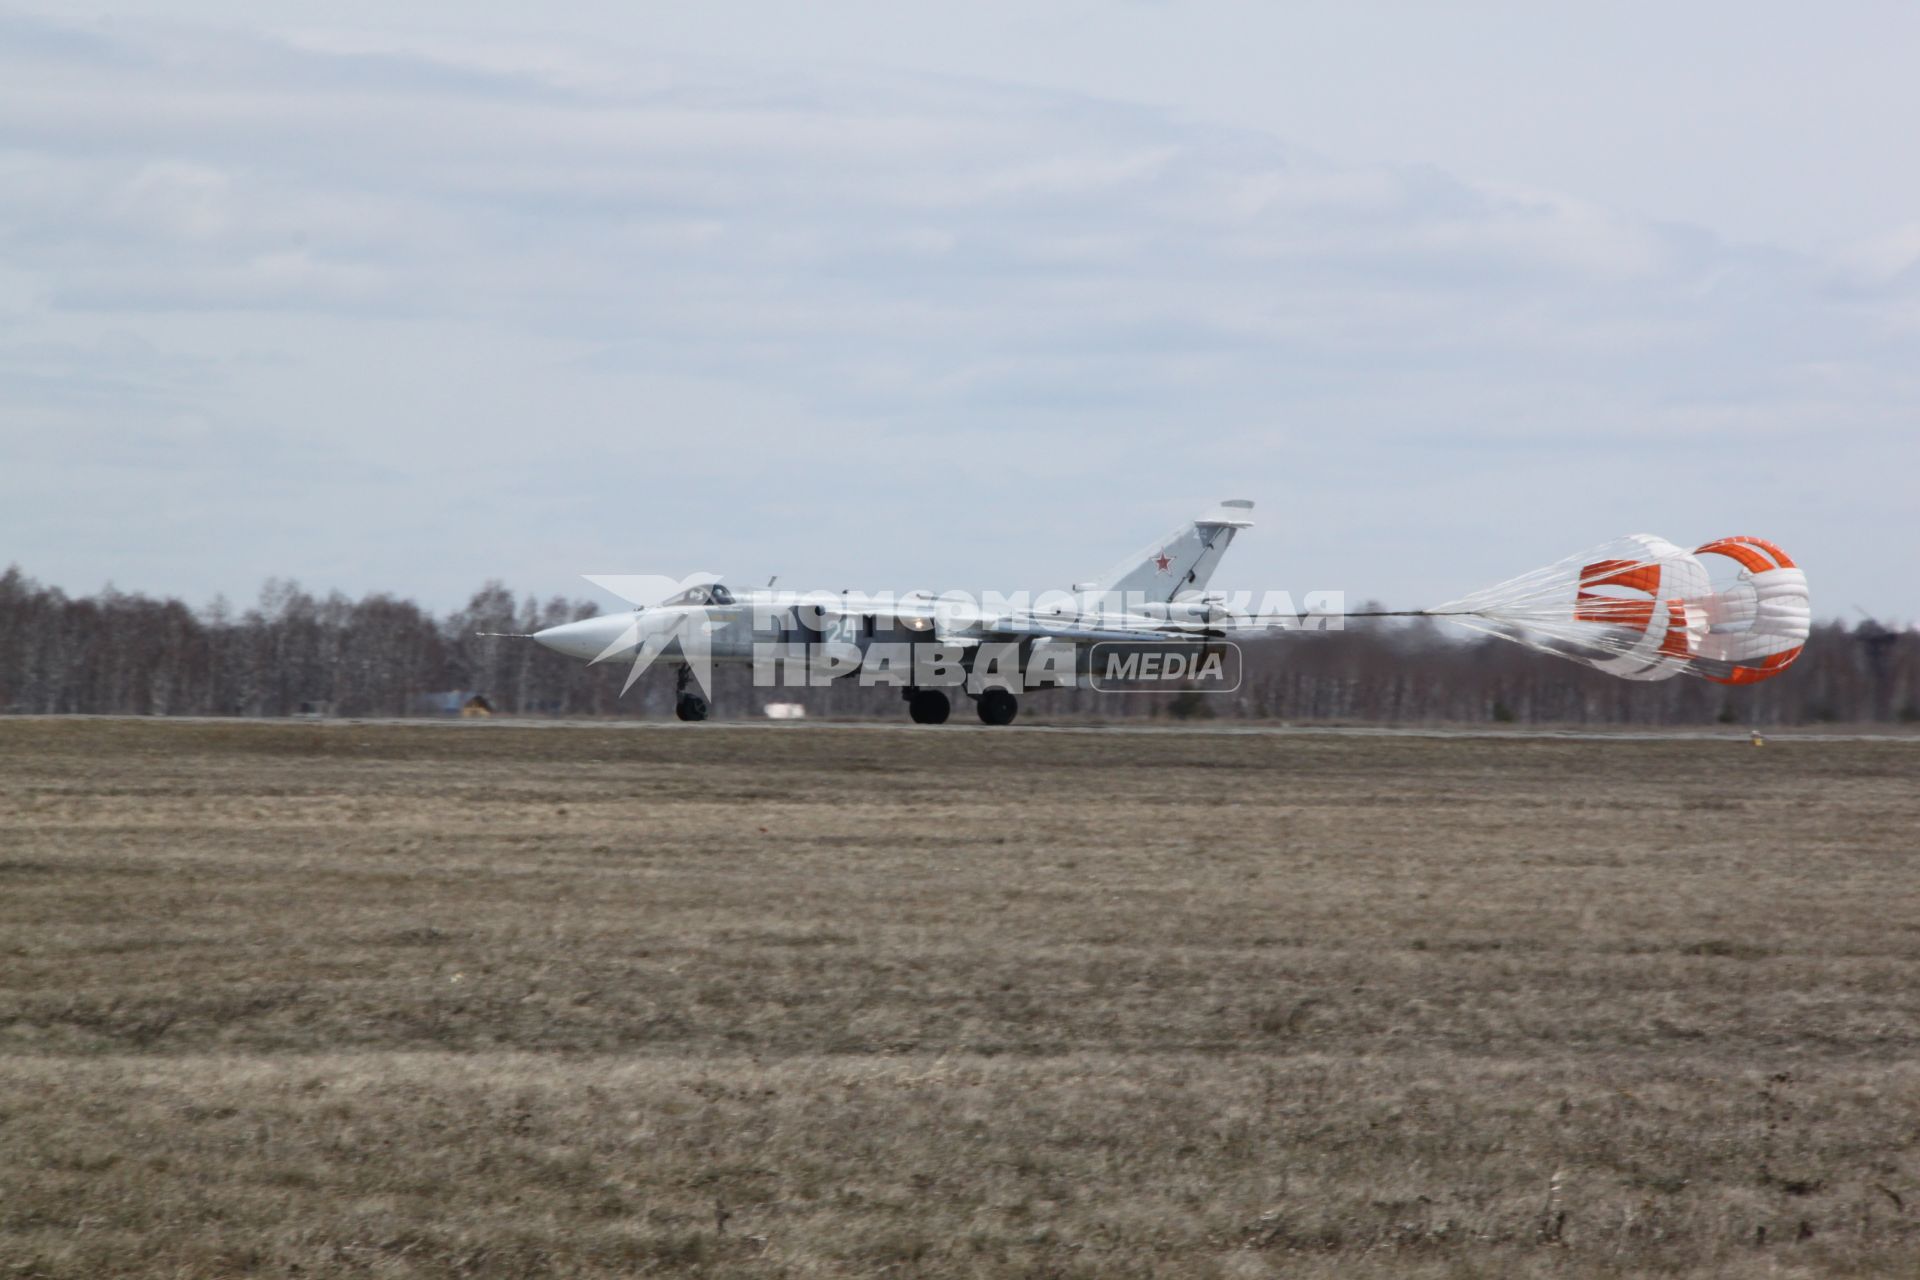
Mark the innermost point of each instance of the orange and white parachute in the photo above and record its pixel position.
(1734, 610)
(1757, 626)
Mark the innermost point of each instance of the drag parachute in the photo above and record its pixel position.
(1735, 610)
(1758, 624)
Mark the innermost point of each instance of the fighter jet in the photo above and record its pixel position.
(934, 647)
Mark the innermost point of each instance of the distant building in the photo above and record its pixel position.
(785, 711)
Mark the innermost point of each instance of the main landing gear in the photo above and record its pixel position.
(928, 706)
(997, 706)
(690, 705)
(932, 706)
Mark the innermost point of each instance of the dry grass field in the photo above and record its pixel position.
(493, 1001)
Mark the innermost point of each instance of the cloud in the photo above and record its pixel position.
(528, 286)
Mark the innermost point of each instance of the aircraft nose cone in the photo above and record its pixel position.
(588, 638)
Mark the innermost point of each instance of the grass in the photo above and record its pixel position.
(490, 1001)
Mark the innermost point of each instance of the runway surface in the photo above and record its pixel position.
(1718, 733)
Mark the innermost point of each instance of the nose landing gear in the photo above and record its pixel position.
(690, 705)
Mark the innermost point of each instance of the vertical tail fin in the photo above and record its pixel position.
(1180, 563)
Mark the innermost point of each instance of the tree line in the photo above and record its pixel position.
(292, 651)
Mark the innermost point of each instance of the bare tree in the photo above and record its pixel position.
(128, 654)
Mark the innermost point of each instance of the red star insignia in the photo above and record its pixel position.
(1163, 560)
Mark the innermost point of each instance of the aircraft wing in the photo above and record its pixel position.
(961, 626)
(1068, 627)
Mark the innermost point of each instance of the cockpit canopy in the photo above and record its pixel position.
(705, 593)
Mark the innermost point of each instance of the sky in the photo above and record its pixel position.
(899, 295)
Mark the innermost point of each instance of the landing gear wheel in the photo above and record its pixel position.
(691, 707)
(928, 706)
(997, 706)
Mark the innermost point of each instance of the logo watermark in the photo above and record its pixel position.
(1128, 666)
(1112, 642)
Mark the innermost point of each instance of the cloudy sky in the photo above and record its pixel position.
(894, 295)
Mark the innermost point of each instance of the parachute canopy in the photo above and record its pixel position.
(1734, 610)
(1757, 626)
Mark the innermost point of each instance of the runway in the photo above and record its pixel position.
(1718, 733)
